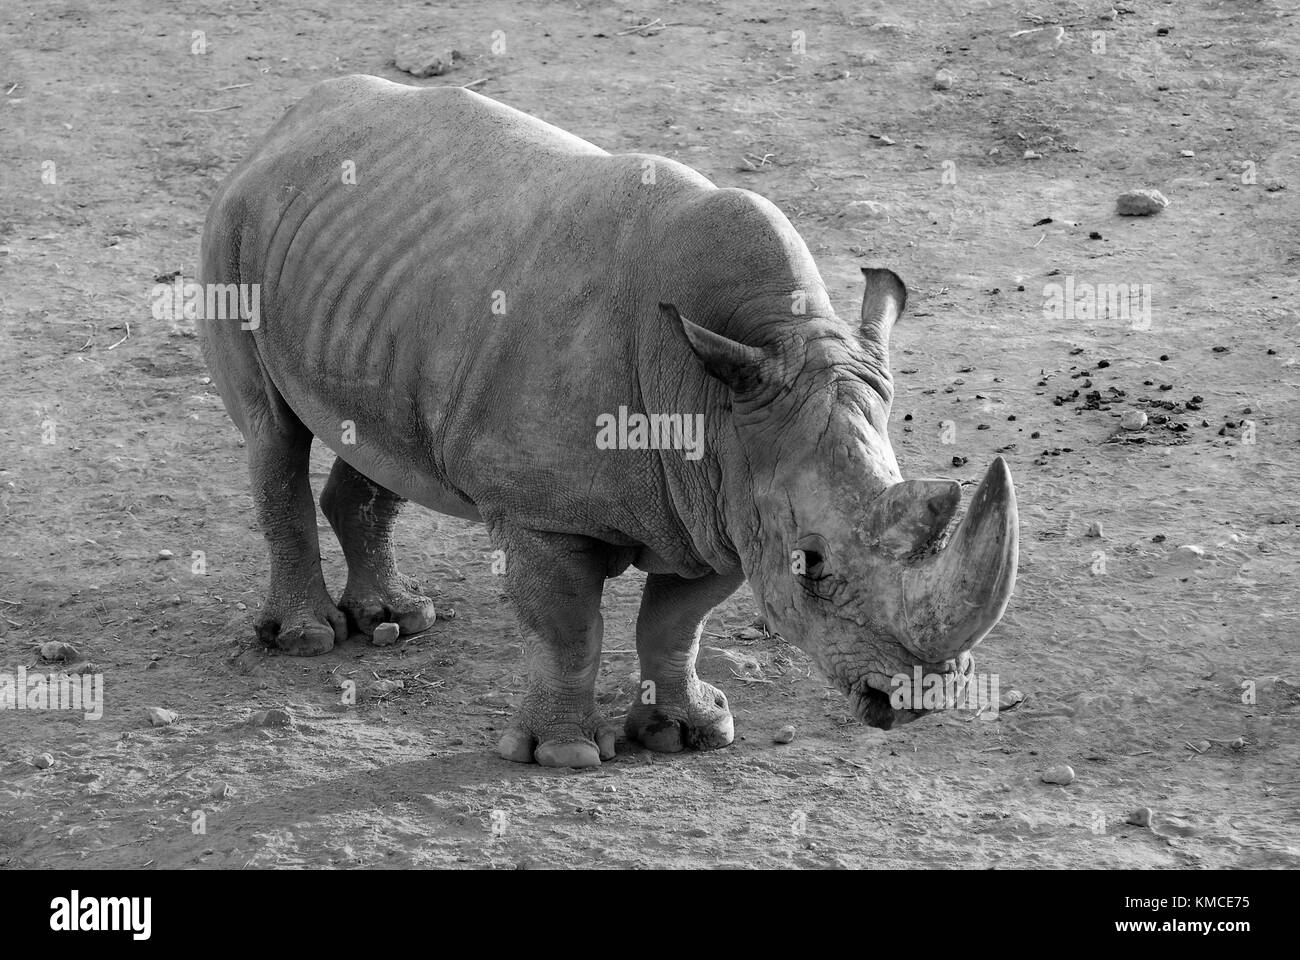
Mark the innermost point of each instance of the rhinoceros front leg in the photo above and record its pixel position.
(362, 514)
(298, 616)
(674, 708)
(555, 582)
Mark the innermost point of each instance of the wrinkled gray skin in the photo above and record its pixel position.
(377, 315)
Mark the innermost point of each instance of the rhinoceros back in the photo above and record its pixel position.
(458, 284)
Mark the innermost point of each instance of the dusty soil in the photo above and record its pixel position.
(1131, 653)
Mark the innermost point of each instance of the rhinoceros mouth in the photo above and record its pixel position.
(872, 707)
(875, 707)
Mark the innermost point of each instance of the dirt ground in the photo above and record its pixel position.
(1164, 677)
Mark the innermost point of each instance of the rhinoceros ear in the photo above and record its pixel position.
(882, 304)
(738, 365)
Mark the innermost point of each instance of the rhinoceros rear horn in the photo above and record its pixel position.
(953, 599)
(882, 304)
(738, 365)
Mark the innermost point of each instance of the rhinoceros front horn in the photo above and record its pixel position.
(952, 600)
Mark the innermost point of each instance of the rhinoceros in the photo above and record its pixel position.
(608, 361)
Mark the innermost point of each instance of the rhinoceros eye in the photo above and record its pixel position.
(809, 557)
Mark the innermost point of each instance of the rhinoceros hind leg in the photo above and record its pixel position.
(555, 582)
(676, 710)
(362, 514)
(298, 616)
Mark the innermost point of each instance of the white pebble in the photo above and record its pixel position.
(1094, 529)
(1062, 774)
(159, 717)
(57, 650)
(1140, 203)
(1133, 420)
(386, 635)
(785, 734)
(1141, 817)
(43, 761)
(165, 554)
(1190, 551)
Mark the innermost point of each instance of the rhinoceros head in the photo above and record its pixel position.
(861, 568)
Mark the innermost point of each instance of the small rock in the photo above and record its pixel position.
(1010, 700)
(751, 633)
(944, 80)
(165, 554)
(785, 734)
(1132, 420)
(56, 651)
(1094, 529)
(386, 635)
(381, 688)
(1033, 155)
(868, 208)
(419, 58)
(1187, 153)
(1141, 817)
(221, 791)
(1189, 551)
(1063, 775)
(1140, 203)
(43, 761)
(158, 717)
(275, 717)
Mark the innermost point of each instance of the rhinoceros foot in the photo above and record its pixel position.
(696, 718)
(396, 601)
(537, 734)
(302, 628)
